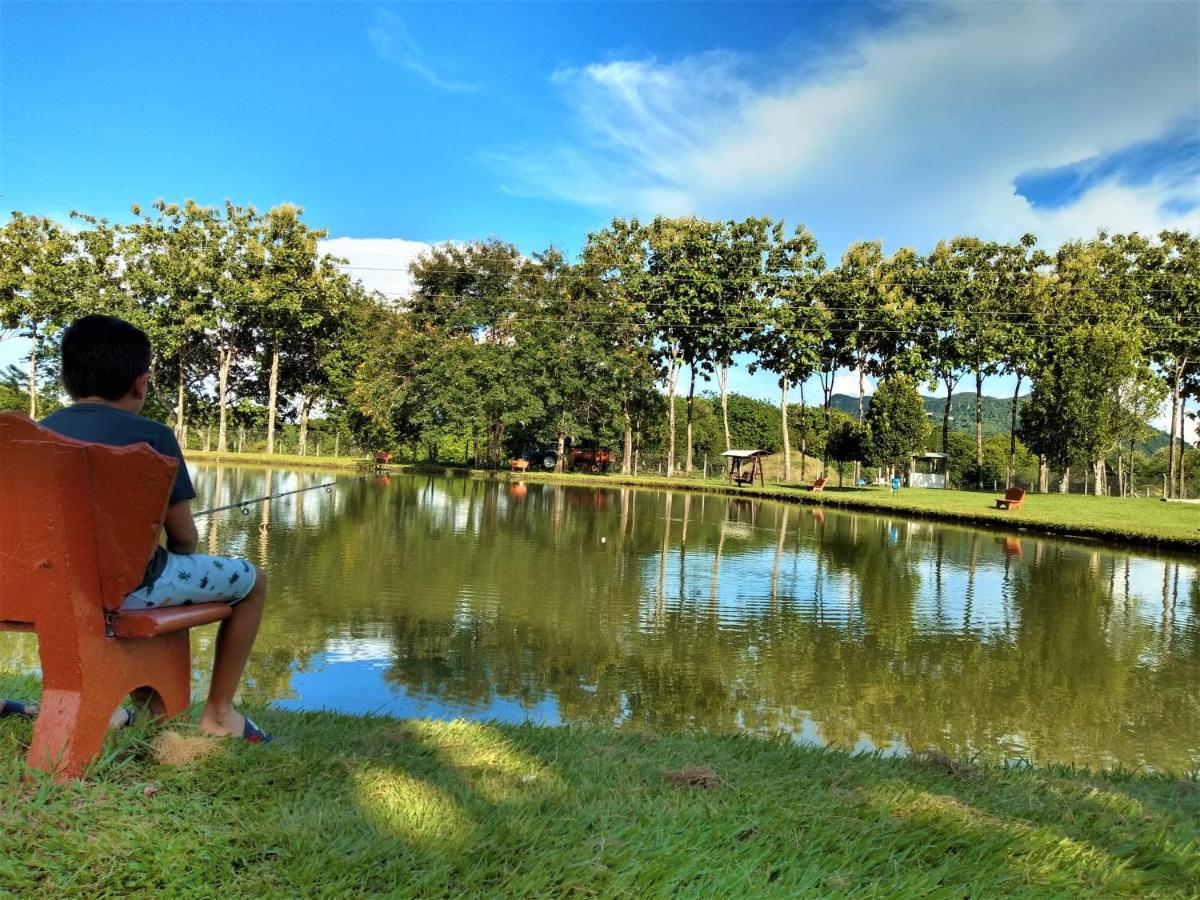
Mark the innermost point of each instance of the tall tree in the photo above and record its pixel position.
(739, 265)
(39, 291)
(790, 341)
(944, 324)
(897, 426)
(1168, 275)
(683, 293)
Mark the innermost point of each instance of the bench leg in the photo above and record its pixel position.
(81, 693)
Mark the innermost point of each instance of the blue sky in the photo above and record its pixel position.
(400, 125)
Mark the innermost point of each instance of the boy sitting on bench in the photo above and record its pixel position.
(106, 370)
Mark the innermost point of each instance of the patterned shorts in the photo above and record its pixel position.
(195, 578)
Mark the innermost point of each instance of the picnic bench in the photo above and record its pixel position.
(519, 465)
(819, 485)
(74, 541)
(383, 458)
(1012, 499)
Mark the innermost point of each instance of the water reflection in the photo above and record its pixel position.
(448, 597)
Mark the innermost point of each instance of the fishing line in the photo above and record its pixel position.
(244, 505)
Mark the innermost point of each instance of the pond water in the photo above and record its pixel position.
(458, 597)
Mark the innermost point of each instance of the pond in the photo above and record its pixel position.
(417, 595)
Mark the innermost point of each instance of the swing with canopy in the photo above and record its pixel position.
(744, 465)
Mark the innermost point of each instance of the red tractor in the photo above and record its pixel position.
(595, 460)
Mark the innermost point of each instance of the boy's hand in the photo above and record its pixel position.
(182, 536)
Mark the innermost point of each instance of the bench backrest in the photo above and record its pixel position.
(820, 482)
(76, 519)
(1014, 494)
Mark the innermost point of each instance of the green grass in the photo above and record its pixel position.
(342, 806)
(278, 460)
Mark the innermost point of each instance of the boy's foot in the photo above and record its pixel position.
(14, 708)
(121, 718)
(233, 724)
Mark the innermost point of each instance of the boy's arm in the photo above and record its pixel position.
(182, 537)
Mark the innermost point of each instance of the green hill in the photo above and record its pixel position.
(997, 413)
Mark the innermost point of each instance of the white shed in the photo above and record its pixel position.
(928, 470)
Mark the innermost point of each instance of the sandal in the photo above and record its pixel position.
(254, 734)
(13, 708)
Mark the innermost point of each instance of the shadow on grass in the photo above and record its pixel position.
(342, 804)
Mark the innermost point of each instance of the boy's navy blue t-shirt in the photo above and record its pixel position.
(97, 423)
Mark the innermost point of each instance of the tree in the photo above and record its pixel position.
(39, 290)
(166, 274)
(290, 305)
(683, 295)
(1074, 413)
(944, 322)
(897, 426)
(789, 342)
(1168, 276)
(614, 266)
(845, 442)
(740, 258)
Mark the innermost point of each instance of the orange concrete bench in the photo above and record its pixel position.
(1012, 499)
(819, 484)
(79, 524)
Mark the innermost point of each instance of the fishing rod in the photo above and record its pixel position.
(244, 505)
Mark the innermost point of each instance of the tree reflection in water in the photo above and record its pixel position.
(482, 598)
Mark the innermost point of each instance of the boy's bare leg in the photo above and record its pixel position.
(234, 640)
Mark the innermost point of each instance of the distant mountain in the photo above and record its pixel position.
(997, 412)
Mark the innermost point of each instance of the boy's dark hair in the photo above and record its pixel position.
(101, 357)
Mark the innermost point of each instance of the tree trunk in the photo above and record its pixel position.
(1064, 486)
(207, 437)
(560, 448)
(690, 403)
(803, 435)
(723, 384)
(1012, 434)
(225, 357)
(1043, 474)
(1120, 471)
(1132, 482)
(33, 345)
(1101, 478)
(241, 437)
(1181, 489)
(672, 379)
(304, 406)
(946, 416)
(787, 440)
(180, 427)
(1175, 390)
(627, 445)
(272, 393)
(862, 392)
(979, 427)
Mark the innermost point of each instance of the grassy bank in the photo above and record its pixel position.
(347, 806)
(276, 460)
(1140, 521)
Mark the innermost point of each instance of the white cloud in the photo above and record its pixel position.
(909, 134)
(381, 264)
(847, 383)
(391, 41)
